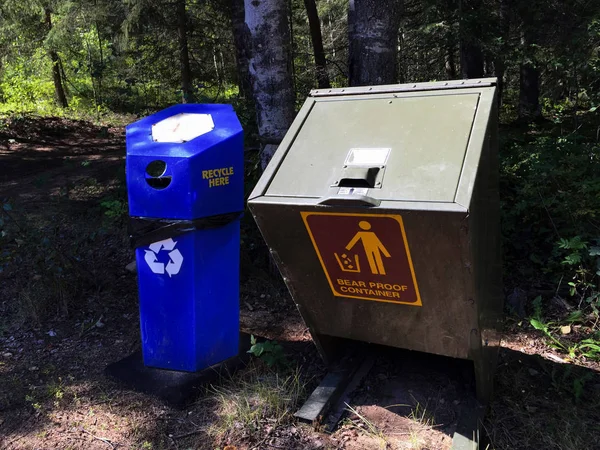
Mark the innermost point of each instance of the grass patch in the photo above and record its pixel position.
(364, 426)
(251, 405)
(380, 428)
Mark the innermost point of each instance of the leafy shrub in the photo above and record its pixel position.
(271, 352)
(584, 260)
(550, 193)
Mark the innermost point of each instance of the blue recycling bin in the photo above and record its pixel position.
(185, 184)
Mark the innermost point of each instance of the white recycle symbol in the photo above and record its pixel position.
(173, 266)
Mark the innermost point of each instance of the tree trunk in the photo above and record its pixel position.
(450, 64)
(270, 71)
(101, 64)
(59, 89)
(529, 80)
(373, 36)
(317, 42)
(529, 91)
(187, 93)
(499, 63)
(351, 38)
(451, 41)
(241, 36)
(402, 65)
(471, 55)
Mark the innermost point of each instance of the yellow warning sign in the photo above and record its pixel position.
(364, 256)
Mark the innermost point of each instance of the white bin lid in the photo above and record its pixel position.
(182, 127)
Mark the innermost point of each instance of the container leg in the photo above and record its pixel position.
(485, 366)
(331, 348)
(467, 434)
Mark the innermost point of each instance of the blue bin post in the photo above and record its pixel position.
(185, 185)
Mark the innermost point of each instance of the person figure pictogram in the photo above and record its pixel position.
(373, 247)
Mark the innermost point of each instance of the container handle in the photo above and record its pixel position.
(349, 200)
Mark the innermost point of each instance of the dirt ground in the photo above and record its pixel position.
(58, 333)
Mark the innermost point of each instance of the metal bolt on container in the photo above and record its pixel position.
(381, 210)
(186, 194)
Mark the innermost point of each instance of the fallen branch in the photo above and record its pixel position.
(189, 433)
(106, 441)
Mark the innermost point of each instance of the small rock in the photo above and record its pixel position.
(51, 333)
(442, 401)
(533, 372)
(566, 329)
(131, 267)
(33, 368)
(262, 295)
(7, 354)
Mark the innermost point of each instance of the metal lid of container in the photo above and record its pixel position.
(427, 134)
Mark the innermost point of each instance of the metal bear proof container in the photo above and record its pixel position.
(381, 211)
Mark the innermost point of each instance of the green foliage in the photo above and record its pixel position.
(27, 84)
(544, 327)
(586, 348)
(113, 56)
(584, 261)
(550, 190)
(538, 323)
(271, 352)
(115, 210)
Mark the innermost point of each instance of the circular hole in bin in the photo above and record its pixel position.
(155, 170)
(158, 183)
